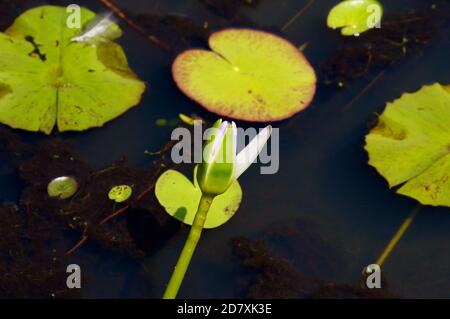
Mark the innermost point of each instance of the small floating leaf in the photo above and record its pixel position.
(355, 16)
(410, 146)
(120, 193)
(46, 79)
(62, 187)
(180, 198)
(249, 75)
(186, 119)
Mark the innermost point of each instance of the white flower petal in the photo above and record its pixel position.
(248, 155)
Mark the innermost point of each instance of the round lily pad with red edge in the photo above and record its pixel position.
(247, 75)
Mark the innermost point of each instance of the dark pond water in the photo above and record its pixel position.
(323, 177)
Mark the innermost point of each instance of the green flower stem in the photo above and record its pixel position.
(189, 247)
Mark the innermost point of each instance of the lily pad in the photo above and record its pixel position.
(410, 146)
(249, 75)
(180, 198)
(46, 79)
(62, 187)
(120, 193)
(355, 16)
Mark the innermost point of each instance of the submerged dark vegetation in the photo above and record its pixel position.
(33, 256)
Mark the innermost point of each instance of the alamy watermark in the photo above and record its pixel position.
(189, 148)
(73, 20)
(74, 279)
(373, 273)
(374, 19)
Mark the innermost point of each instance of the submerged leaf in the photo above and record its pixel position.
(46, 79)
(410, 146)
(355, 16)
(180, 198)
(249, 75)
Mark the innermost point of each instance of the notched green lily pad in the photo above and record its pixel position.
(248, 75)
(355, 16)
(62, 187)
(46, 79)
(410, 146)
(180, 198)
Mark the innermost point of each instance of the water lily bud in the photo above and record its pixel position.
(216, 173)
